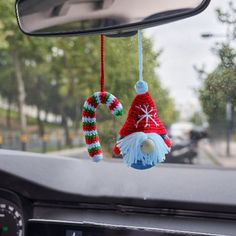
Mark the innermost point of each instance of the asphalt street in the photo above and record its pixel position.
(202, 159)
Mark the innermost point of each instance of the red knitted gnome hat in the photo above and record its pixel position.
(143, 117)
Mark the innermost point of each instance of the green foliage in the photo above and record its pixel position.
(197, 118)
(60, 73)
(219, 86)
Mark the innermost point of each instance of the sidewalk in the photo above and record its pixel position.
(216, 150)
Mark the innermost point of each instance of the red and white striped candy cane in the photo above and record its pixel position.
(89, 120)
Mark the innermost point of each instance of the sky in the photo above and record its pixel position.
(183, 48)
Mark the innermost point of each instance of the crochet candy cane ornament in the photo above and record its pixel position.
(89, 113)
(143, 141)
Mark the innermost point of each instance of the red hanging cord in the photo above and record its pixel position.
(102, 63)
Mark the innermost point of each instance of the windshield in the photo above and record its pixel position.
(190, 67)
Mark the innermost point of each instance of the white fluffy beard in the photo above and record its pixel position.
(130, 147)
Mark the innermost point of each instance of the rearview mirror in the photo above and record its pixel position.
(62, 17)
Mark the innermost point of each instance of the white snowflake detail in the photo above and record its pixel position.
(147, 115)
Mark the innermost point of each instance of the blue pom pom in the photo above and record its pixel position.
(141, 87)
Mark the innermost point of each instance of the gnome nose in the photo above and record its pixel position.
(147, 146)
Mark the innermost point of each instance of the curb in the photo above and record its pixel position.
(68, 152)
(205, 146)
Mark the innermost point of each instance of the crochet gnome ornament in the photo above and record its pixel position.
(143, 141)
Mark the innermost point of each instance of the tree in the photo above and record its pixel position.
(56, 75)
(13, 41)
(8, 90)
(219, 86)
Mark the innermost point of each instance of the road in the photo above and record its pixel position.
(202, 159)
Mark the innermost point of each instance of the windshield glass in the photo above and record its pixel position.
(190, 67)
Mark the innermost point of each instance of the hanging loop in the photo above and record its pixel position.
(140, 55)
(102, 63)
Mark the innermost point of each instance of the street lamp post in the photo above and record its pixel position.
(228, 115)
(210, 35)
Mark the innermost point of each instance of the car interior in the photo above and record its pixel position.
(47, 189)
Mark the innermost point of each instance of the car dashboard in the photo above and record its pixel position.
(44, 195)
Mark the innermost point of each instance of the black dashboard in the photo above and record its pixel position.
(38, 191)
